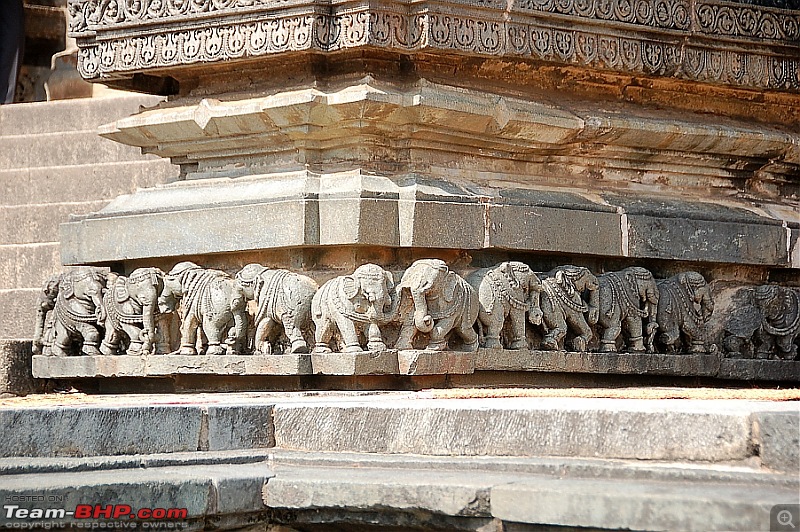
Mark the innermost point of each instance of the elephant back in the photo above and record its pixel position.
(197, 285)
(787, 302)
(120, 308)
(70, 308)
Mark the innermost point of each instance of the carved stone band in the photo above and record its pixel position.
(647, 37)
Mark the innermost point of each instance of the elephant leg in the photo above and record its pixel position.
(493, 324)
(469, 337)
(633, 325)
(189, 336)
(611, 328)
(696, 339)
(438, 340)
(62, 341)
(375, 338)
(294, 334)
(557, 330)
(214, 328)
(584, 336)
(670, 336)
(110, 343)
(519, 341)
(261, 341)
(787, 350)
(91, 339)
(137, 336)
(349, 334)
(323, 332)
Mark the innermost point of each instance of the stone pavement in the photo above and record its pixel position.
(411, 459)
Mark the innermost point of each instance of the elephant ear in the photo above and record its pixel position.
(350, 286)
(121, 293)
(563, 282)
(450, 286)
(66, 287)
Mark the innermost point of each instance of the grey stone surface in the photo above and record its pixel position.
(90, 431)
(15, 368)
(239, 427)
(638, 505)
(415, 362)
(24, 224)
(163, 365)
(702, 240)
(759, 370)
(20, 303)
(366, 363)
(519, 427)
(28, 265)
(778, 438)
(617, 363)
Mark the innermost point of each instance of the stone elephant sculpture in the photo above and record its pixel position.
(436, 301)
(78, 311)
(131, 305)
(685, 305)
(563, 306)
(779, 308)
(46, 302)
(210, 303)
(283, 301)
(355, 305)
(627, 298)
(508, 291)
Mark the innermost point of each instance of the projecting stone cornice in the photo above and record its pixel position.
(727, 43)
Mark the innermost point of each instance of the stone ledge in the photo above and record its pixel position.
(417, 362)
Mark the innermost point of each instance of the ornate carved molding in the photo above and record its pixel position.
(647, 37)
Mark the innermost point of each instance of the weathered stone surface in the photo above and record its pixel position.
(28, 265)
(759, 370)
(73, 431)
(25, 224)
(15, 368)
(20, 303)
(619, 363)
(163, 365)
(674, 430)
(366, 363)
(778, 438)
(637, 505)
(416, 362)
(239, 427)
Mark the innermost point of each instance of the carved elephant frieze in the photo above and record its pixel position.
(564, 307)
(354, 307)
(283, 304)
(436, 301)
(627, 298)
(506, 292)
(131, 305)
(779, 309)
(211, 304)
(685, 305)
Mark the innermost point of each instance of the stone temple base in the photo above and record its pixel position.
(417, 362)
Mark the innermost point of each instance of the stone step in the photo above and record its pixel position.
(680, 430)
(63, 149)
(28, 265)
(27, 224)
(69, 115)
(58, 184)
(19, 307)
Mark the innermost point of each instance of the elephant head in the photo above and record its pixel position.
(580, 280)
(173, 291)
(695, 285)
(371, 291)
(642, 281)
(428, 279)
(143, 286)
(521, 276)
(83, 288)
(248, 278)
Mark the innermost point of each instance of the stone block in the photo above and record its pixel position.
(28, 265)
(364, 363)
(707, 241)
(778, 439)
(20, 303)
(759, 370)
(543, 229)
(416, 362)
(637, 505)
(423, 224)
(613, 363)
(23, 224)
(165, 365)
(363, 221)
(239, 427)
(599, 428)
(15, 368)
(92, 431)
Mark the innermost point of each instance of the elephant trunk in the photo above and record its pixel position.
(594, 306)
(534, 303)
(707, 306)
(422, 320)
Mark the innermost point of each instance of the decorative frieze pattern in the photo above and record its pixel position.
(432, 308)
(110, 46)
